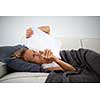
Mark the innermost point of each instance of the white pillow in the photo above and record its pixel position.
(41, 41)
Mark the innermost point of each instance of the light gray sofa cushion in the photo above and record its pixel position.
(69, 43)
(3, 69)
(91, 43)
(24, 77)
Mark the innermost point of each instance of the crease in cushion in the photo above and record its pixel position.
(25, 75)
(3, 69)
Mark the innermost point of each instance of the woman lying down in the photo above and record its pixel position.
(80, 65)
(42, 57)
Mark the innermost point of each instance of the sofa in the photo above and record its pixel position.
(37, 77)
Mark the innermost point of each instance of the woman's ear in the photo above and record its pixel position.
(45, 29)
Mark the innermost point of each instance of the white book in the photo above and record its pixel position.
(42, 41)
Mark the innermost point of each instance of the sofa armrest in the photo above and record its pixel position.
(3, 69)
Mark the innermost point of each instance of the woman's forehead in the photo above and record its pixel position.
(37, 51)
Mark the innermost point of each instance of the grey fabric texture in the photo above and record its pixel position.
(87, 63)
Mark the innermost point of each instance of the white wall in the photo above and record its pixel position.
(12, 28)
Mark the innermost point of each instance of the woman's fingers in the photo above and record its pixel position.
(44, 53)
(47, 53)
(50, 54)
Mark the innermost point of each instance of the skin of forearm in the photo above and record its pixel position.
(65, 66)
(54, 69)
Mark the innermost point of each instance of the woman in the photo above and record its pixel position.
(43, 57)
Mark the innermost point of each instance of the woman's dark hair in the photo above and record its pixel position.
(19, 53)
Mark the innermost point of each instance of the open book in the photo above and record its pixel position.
(41, 41)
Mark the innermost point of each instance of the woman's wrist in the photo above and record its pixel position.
(55, 59)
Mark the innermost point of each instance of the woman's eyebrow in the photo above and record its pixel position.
(41, 52)
(33, 50)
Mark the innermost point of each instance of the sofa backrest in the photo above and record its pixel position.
(70, 43)
(91, 43)
(76, 43)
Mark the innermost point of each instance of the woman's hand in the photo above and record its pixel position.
(48, 54)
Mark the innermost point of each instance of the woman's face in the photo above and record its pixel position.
(35, 57)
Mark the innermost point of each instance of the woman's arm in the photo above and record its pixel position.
(65, 66)
(55, 69)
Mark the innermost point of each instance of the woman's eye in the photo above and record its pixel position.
(33, 51)
(33, 56)
(41, 52)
